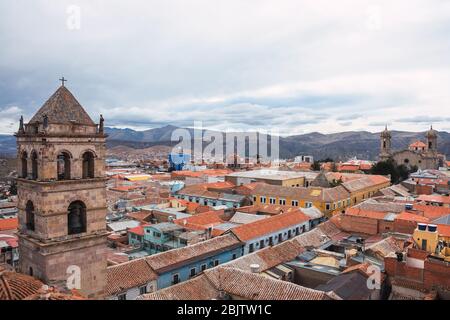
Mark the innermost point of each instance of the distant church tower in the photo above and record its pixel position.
(385, 144)
(431, 136)
(62, 196)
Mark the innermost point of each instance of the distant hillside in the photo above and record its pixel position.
(7, 145)
(339, 146)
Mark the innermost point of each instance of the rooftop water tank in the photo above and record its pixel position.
(422, 226)
(408, 206)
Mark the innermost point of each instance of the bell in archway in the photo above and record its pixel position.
(75, 223)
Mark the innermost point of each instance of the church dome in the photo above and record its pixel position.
(62, 108)
(17, 286)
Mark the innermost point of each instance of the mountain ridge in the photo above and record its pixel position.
(338, 146)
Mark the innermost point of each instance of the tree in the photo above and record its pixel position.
(398, 173)
(316, 165)
(336, 183)
(387, 167)
(333, 167)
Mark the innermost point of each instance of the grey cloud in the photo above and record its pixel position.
(234, 64)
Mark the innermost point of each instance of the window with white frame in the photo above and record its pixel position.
(262, 199)
(294, 203)
(143, 290)
(272, 200)
(282, 202)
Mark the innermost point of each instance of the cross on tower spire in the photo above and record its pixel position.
(62, 81)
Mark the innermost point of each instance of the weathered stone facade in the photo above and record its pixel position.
(423, 158)
(55, 234)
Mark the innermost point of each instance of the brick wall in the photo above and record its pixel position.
(404, 226)
(436, 273)
(385, 226)
(424, 189)
(359, 224)
(395, 268)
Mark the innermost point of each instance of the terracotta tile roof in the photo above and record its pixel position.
(198, 174)
(254, 286)
(247, 189)
(444, 230)
(123, 188)
(17, 286)
(310, 194)
(373, 205)
(329, 228)
(209, 190)
(432, 212)
(358, 267)
(354, 211)
(283, 252)
(410, 284)
(411, 217)
(234, 277)
(271, 209)
(52, 294)
(62, 108)
(236, 283)
(128, 275)
(11, 240)
(384, 247)
(434, 198)
(365, 166)
(272, 224)
(348, 167)
(364, 182)
(312, 238)
(198, 288)
(418, 144)
(201, 221)
(191, 206)
(139, 230)
(140, 215)
(335, 194)
(202, 208)
(344, 176)
(9, 224)
(168, 260)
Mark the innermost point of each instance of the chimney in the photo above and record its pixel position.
(254, 268)
(209, 233)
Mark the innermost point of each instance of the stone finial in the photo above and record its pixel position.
(45, 121)
(21, 128)
(101, 125)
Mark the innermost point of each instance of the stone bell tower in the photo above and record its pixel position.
(62, 196)
(385, 144)
(431, 136)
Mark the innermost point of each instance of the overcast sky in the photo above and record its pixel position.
(292, 66)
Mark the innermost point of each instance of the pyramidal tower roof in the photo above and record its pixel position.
(62, 108)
